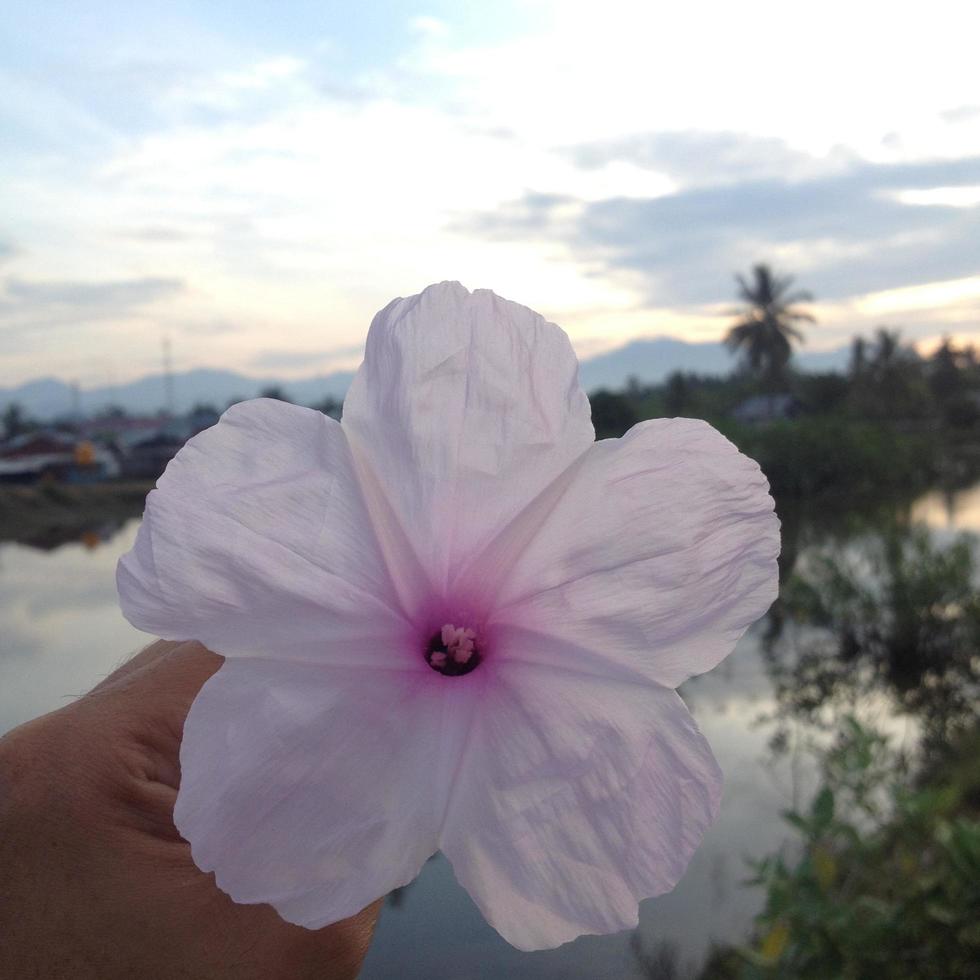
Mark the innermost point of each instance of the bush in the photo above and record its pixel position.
(612, 414)
(827, 454)
(886, 882)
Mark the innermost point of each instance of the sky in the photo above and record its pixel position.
(253, 180)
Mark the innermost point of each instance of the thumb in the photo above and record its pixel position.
(146, 701)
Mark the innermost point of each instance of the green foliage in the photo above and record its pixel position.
(898, 614)
(766, 330)
(612, 414)
(275, 392)
(895, 423)
(890, 380)
(954, 379)
(822, 393)
(329, 406)
(677, 394)
(821, 454)
(14, 421)
(884, 880)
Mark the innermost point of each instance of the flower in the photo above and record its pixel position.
(452, 622)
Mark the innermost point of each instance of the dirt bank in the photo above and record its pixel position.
(50, 514)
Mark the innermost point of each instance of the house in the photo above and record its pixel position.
(147, 458)
(52, 454)
(766, 408)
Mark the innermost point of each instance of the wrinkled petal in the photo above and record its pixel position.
(576, 798)
(658, 554)
(257, 541)
(465, 408)
(310, 787)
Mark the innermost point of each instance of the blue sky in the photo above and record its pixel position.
(254, 180)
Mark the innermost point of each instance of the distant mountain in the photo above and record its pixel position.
(655, 359)
(49, 398)
(649, 360)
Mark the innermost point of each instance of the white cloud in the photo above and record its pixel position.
(954, 197)
(431, 27)
(295, 201)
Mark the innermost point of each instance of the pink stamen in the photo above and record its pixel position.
(453, 650)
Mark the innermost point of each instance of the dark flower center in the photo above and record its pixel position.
(453, 651)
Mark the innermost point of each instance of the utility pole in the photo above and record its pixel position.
(76, 402)
(168, 377)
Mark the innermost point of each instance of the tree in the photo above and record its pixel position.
(14, 421)
(677, 394)
(950, 369)
(889, 353)
(859, 357)
(766, 330)
(274, 391)
(329, 406)
(952, 375)
(890, 382)
(612, 414)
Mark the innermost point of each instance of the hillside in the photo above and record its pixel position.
(650, 360)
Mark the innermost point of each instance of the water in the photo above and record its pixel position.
(61, 632)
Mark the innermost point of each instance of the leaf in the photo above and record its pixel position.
(775, 942)
(824, 867)
(822, 810)
(941, 914)
(799, 822)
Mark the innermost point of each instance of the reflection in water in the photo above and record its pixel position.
(944, 510)
(90, 537)
(60, 626)
(872, 612)
(891, 612)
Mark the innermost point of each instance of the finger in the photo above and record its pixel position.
(166, 685)
(146, 706)
(146, 656)
(337, 950)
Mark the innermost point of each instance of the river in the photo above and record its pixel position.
(61, 632)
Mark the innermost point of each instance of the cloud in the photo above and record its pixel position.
(296, 172)
(846, 233)
(156, 234)
(289, 359)
(699, 157)
(429, 27)
(527, 215)
(962, 113)
(28, 304)
(117, 293)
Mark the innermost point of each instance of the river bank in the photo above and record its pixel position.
(48, 514)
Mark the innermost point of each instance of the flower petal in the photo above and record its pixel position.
(308, 787)
(257, 541)
(658, 554)
(576, 799)
(465, 408)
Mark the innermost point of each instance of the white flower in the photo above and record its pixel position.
(453, 622)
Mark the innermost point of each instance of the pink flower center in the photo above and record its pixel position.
(453, 651)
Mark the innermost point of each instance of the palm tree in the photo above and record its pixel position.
(888, 349)
(859, 358)
(765, 332)
(893, 383)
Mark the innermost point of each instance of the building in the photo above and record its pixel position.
(766, 408)
(49, 454)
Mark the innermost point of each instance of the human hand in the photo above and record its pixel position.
(95, 881)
